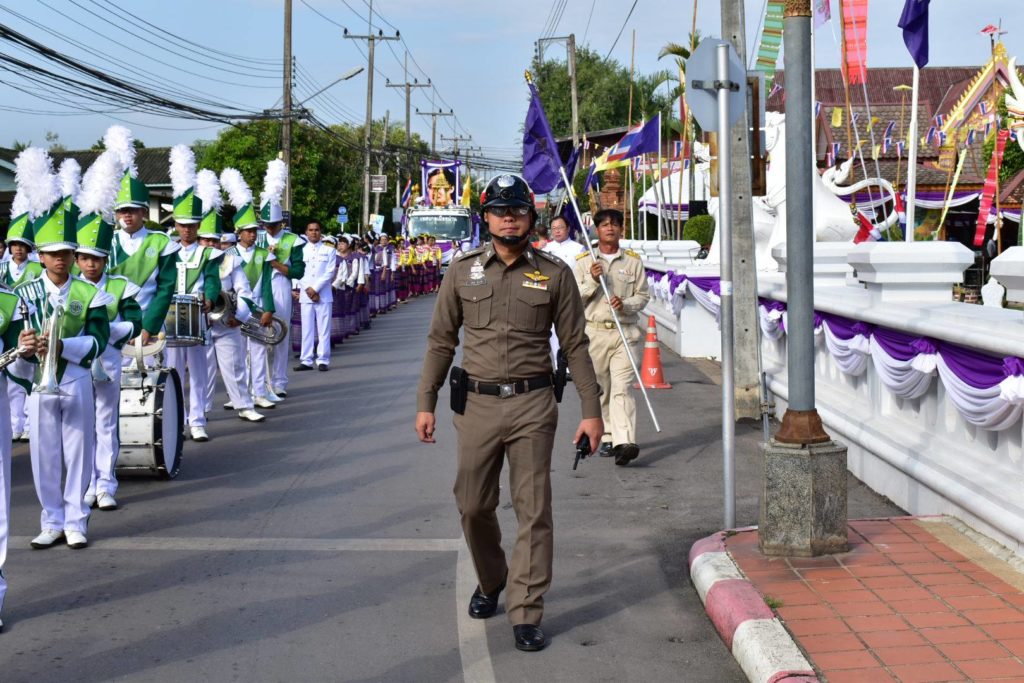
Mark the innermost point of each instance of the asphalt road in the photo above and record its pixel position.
(324, 545)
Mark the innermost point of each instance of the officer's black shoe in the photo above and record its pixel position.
(302, 367)
(322, 367)
(529, 638)
(625, 453)
(484, 605)
(606, 449)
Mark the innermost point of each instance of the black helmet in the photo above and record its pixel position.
(507, 190)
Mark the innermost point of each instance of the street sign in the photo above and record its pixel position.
(342, 210)
(701, 76)
(343, 218)
(378, 183)
(396, 214)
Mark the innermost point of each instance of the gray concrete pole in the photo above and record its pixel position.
(286, 124)
(747, 379)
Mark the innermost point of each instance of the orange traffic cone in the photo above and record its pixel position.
(653, 377)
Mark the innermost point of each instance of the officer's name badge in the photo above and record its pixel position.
(476, 273)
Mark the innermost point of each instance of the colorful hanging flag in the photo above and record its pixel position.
(467, 192)
(990, 29)
(886, 144)
(867, 231)
(942, 138)
(830, 160)
(991, 181)
(835, 149)
(914, 22)
(900, 147)
(775, 88)
(988, 129)
(874, 152)
(822, 12)
(889, 129)
(939, 120)
(640, 139)
(817, 109)
(677, 149)
(407, 193)
(930, 137)
(855, 37)
(771, 38)
(970, 137)
(899, 205)
(871, 123)
(591, 180)
(837, 117)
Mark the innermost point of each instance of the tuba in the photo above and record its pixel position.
(46, 373)
(272, 335)
(223, 308)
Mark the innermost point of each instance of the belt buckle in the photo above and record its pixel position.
(506, 390)
(608, 325)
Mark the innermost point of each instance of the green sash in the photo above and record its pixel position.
(115, 287)
(254, 268)
(141, 265)
(195, 269)
(8, 304)
(80, 296)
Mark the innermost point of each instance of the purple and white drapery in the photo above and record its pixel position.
(672, 288)
(987, 391)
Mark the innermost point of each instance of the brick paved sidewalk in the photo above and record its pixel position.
(914, 600)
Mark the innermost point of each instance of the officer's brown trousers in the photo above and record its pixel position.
(523, 428)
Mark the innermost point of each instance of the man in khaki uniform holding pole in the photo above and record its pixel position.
(506, 295)
(627, 283)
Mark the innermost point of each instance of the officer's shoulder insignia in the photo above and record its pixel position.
(475, 252)
(582, 255)
(630, 252)
(549, 257)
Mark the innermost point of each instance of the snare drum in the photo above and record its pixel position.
(185, 323)
(151, 424)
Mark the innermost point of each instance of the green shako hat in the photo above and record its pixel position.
(273, 187)
(20, 229)
(241, 198)
(52, 220)
(96, 201)
(208, 192)
(188, 209)
(56, 230)
(132, 192)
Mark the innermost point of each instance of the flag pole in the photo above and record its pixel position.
(608, 297)
(912, 157)
(657, 186)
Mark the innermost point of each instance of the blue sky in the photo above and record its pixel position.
(474, 52)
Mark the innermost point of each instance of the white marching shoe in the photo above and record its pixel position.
(250, 415)
(105, 501)
(229, 406)
(199, 434)
(264, 402)
(280, 393)
(77, 540)
(46, 539)
(89, 500)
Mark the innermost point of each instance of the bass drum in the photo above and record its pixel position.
(151, 424)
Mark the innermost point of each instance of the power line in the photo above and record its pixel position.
(589, 17)
(623, 28)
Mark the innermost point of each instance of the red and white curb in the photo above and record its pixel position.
(757, 639)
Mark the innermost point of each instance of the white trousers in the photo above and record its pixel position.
(279, 354)
(257, 367)
(5, 482)
(316, 328)
(19, 408)
(108, 412)
(193, 360)
(62, 434)
(227, 353)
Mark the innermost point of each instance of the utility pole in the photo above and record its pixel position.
(408, 101)
(570, 58)
(371, 42)
(286, 123)
(455, 142)
(433, 126)
(747, 378)
(803, 503)
(380, 159)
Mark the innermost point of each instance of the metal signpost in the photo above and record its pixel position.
(714, 77)
(343, 214)
(378, 183)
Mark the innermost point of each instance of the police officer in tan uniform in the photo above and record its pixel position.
(627, 283)
(506, 295)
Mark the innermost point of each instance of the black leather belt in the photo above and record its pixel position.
(509, 389)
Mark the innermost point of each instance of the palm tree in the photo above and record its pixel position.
(681, 53)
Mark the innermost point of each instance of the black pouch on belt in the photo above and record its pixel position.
(561, 367)
(458, 383)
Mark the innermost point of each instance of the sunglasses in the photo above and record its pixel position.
(502, 211)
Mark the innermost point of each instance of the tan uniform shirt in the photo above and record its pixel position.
(507, 313)
(626, 279)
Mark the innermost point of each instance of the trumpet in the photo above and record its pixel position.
(46, 374)
(11, 355)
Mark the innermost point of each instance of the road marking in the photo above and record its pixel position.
(476, 656)
(421, 545)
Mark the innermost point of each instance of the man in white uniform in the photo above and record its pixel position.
(316, 297)
(566, 249)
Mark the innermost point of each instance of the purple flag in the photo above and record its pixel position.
(822, 12)
(541, 163)
(914, 22)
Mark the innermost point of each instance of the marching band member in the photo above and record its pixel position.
(198, 272)
(10, 324)
(288, 265)
(257, 266)
(63, 424)
(95, 236)
(315, 298)
(19, 268)
(145, 257)
(227, 347)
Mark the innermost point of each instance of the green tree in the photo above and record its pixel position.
(20, 146)
(603, 93)
(53, 140)
(327, 165)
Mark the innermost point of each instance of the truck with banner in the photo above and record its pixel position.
(440, 213)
